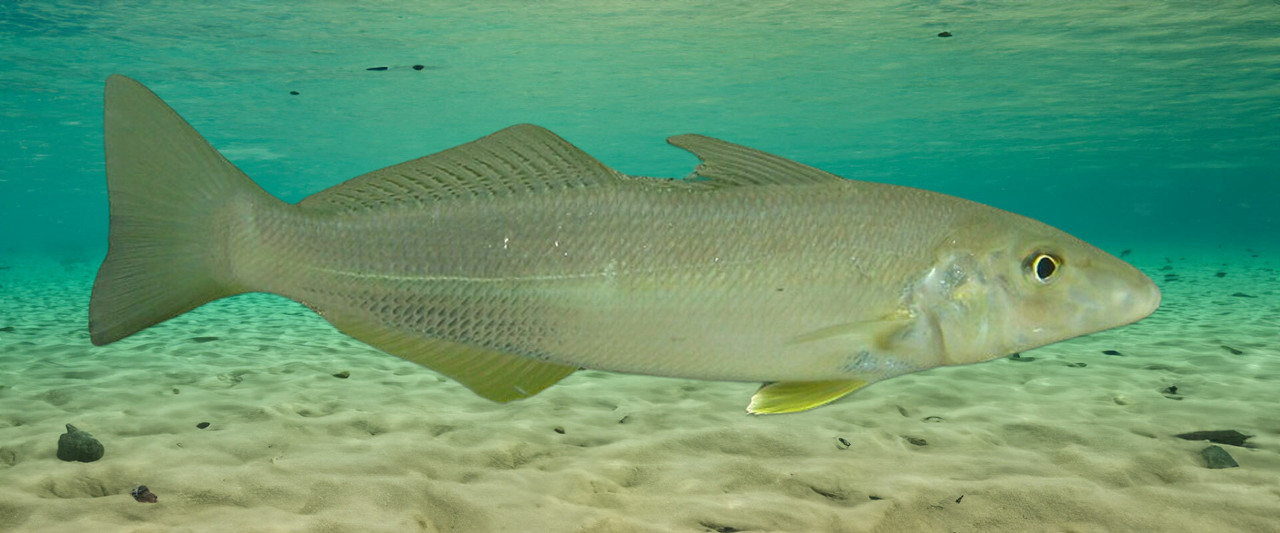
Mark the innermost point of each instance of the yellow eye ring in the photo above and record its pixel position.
(1042, 266)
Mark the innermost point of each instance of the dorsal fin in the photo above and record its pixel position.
(725, 163)
(520, 159)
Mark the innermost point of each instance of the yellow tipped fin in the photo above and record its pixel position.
(494, 375)
(796, 396)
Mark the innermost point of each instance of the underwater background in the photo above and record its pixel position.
(1146, 128)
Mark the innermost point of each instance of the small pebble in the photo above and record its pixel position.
(342, 375)
(202, 425)
(944, 34)
(143, 494)
(1111, 352)
(560, 430)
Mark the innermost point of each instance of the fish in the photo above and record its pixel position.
(512, 261)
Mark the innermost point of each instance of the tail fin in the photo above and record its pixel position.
(174, 201)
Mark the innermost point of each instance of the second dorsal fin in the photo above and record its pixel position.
(519, 159)
(725, 163)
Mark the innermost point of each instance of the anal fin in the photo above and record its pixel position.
(494, 375)
(795, 396)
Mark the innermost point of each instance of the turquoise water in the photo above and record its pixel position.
(1124, 123)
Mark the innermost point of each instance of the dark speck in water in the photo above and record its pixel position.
(202, 425)
(944, 34)
(295, 93)
(1221, 274)
(1126, 253)
(1111, 352)
(419, 67)
(203, 339)
(1243, 295)
(376, 68)
(7, 329)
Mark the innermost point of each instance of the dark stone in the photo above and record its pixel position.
(1243, 295)
(944, 34)
(560, 430)
(1218, 436)
(295, 93)
(916, 441)
(342, 375)
(419, 67)
(376, 68)
(203, 339)
(1111, 352)
(1216, 457)
(202, 425)
(1221, 274)
(76, 445)
(144, 495)
(1232, 350)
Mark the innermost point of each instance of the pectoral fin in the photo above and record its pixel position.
(796, 396)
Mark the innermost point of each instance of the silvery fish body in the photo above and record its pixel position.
(509, 262)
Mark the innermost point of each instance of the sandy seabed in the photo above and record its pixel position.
(1066, 439)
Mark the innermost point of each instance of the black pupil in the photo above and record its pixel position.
(1045, 267)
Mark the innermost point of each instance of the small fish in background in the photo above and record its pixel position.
(509, 262)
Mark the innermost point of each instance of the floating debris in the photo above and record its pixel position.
(295, 93)
(202, 425)
(1111, 352)
(944, 34)
(559, 429)
(917, 441)
(844, 443)
(376, 68)
(342, 375)
(419, 67)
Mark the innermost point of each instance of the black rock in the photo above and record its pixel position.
(1220, 436)
(1111, 352)
(1216, 457)
(76, 445)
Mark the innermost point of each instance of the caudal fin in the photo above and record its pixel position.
(174, 204)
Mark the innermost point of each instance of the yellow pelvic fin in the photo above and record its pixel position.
(796, 396)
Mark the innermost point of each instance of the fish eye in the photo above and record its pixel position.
(1042, 266)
